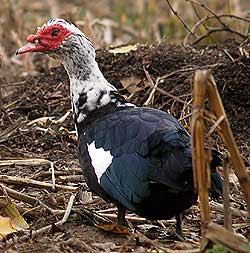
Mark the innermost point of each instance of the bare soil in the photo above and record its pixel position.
(47, 94)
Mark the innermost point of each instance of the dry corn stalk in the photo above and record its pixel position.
(198, 152)
(216, 105)
(204, 83)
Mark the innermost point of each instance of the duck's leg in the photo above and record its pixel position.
(179, 230)
(121, 216)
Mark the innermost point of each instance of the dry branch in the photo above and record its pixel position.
(49, 227)
(34, 183)
(71, 178)
(225, 27)
(204, 82)
(161, 78)
(5, 134)
(182, 21)
(18, 195)
(218, 234)
(209, 31)
(53, 178)
(24, 198)
(133, 219)
(235, 211)
(57, 173)
(150, 99)
(31, 162)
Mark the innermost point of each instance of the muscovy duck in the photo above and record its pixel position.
(138, 158)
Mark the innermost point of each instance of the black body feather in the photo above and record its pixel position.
(151, 171)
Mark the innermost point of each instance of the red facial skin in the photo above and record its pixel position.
(46, 39)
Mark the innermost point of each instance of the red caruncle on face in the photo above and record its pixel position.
(46, 39)
(50, 37)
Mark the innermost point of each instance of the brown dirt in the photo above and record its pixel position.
(47, 94)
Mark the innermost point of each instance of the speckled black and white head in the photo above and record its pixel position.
(64, 41)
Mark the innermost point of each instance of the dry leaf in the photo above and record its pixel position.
(123, 49)
(114, 228)
(17, 220)
(86, 197)
(6, 227)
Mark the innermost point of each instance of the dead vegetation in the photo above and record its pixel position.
(39, 169)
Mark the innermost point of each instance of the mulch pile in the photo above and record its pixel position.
(47, 94)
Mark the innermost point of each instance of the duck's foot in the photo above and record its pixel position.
(178, 230)
(121, 216)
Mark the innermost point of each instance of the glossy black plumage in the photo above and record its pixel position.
(151, 170)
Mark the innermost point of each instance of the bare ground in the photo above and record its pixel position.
(47, 94)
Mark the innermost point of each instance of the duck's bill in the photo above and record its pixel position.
(31, 47)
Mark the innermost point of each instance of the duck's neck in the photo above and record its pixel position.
(89, 89)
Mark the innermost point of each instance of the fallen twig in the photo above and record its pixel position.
(218, 234)
(49, 227)
(5, 134)
(235, 211)
(71, 178)
(92, 216)
(62, 119)
(107, 210)
(45, 120)
(57, 173)
(53, 178)
(230, 57)
(150, 99)
(178, 99)
(25, 198)
(33, 162)
(4, 85)
(35, 183)
(132, 219)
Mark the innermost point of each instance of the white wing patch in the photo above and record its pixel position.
(126, 105)
(100, 159)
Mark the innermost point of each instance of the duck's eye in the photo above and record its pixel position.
(55, 32)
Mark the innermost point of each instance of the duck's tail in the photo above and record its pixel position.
(216, 181)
